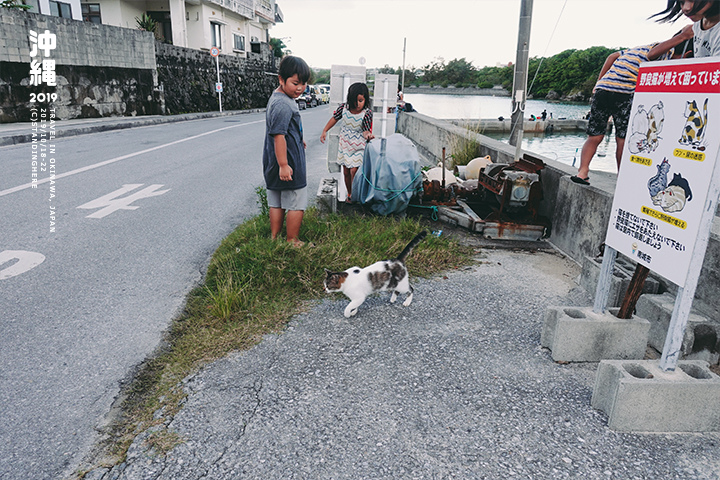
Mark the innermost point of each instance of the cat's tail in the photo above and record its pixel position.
(413, 243)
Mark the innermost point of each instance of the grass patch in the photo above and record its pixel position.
(253, 286)
(465, 148)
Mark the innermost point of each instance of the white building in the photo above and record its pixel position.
(236, 27)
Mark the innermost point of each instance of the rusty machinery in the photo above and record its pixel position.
(505, 196)
(516, 185)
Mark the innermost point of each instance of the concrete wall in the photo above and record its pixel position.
(188, 77)
(100, 70)
(111, 71)
(579, 214)
(538, 126)
(78, 43)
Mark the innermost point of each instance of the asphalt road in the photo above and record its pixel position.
(137, 214)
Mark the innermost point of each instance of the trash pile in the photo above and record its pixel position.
(497, 199)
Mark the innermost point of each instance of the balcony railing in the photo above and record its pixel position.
(241, 7)
(265, 9)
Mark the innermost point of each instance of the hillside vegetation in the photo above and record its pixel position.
(569, 75)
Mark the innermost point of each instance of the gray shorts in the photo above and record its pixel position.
(288, 199)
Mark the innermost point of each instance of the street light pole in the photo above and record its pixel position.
(521, 73)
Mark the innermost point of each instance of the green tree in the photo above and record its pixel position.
(147, 23)
(569, 73)
(14, 4)
(460, 72)
(278, 47)
(321, 75)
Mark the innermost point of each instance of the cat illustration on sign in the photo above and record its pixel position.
(693, 132)
(672, 196)
(646, 128)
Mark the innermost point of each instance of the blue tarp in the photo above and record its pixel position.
(389, 176)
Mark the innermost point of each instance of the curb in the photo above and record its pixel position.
(122, 123)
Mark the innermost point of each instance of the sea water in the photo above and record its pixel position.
(563, 147)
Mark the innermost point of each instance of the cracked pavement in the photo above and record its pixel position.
(454, 386)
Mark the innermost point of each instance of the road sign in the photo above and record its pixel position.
(214, 51)
(218, 87)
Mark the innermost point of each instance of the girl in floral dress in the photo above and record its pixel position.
(355, 131)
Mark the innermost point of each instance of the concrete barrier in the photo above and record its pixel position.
(537, 126)
(622, 274)
(702, 334)
(577, 334)
(638, 396)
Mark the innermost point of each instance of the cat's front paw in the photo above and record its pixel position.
(408, 301)
(350, 313)
(393, 297)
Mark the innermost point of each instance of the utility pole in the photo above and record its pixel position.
(521, 73)
(402, 78)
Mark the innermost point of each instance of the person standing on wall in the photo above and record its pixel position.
(613, 96)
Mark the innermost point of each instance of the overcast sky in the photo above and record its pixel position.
(328, 32)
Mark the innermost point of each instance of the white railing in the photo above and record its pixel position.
(266, 9)
(241, 7)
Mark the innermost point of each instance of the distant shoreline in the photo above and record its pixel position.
(490, 92)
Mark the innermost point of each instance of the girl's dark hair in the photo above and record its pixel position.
(673, 11)
(290, 66)
(356, 89)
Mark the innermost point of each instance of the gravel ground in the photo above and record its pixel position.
(454, 386)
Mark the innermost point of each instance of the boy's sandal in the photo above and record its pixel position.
(580, 180)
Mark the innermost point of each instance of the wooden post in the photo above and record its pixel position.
(633, 292)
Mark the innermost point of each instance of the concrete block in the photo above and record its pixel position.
(333, 145)
(577, 334)
(327, 195)
(702, 334)
(622, 274)
(638, 396)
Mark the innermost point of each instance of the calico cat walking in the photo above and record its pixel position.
(387, 275)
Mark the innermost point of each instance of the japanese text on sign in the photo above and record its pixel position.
(644, 230)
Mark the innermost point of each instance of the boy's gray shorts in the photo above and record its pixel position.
(288, 199)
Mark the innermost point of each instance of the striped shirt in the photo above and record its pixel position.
(622, 75)
(367, 118)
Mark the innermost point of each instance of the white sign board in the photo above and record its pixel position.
(671, 149)
(341, 77)
(385, 89)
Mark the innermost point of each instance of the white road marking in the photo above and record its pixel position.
(26, 261)
(110, 203)
(117, 159)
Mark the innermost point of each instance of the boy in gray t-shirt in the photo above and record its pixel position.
(284, 151)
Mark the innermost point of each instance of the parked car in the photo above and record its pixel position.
(323, 94)
(311, 98)
(302, 105)
(326, 88)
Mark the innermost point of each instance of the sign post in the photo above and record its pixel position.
(669, 182)
(215, 52)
